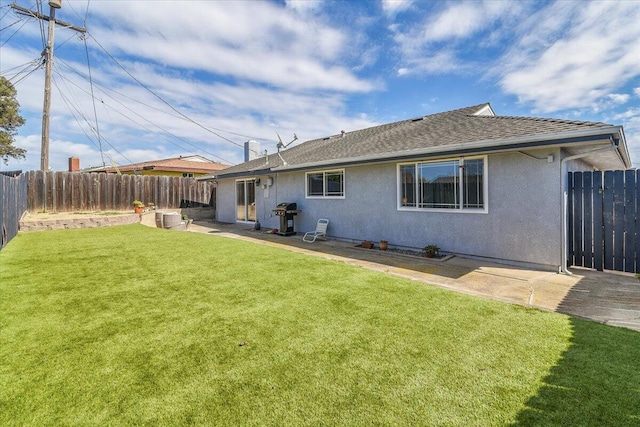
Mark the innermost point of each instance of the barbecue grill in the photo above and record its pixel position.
(286, 211)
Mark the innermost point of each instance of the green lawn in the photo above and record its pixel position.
(140, 326)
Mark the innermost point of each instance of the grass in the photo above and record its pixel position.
(140, 326)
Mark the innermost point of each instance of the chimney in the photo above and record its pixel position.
(74, 164)
(251, 150)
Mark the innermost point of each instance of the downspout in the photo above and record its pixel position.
(565, 198)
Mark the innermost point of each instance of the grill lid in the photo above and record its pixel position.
(287, 206)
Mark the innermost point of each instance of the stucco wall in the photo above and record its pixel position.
(523, 222)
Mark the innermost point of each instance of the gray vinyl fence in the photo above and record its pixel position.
(13, 203)
(604, 223)
(82, 192)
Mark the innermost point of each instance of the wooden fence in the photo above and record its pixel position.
(13, 203)
(82, 192)
(604, 223)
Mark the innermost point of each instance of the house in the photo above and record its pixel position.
(185, 166)
(469, 181)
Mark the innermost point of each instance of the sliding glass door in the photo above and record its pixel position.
(246, 200)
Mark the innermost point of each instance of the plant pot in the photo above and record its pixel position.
(384, 245)
(138, 209)
(367, 244)
(430, 255)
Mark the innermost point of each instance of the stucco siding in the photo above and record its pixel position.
(523, 222)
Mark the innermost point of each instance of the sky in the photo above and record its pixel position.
(155, 79)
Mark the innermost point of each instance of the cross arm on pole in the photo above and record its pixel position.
(32, 13)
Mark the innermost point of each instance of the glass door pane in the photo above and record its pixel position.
(241, 207)
(251, 200)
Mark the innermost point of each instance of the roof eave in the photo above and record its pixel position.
(240, 174)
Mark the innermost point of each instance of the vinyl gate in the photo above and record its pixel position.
(603, 215)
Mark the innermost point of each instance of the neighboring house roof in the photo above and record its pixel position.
(467, 130)
(191, 164)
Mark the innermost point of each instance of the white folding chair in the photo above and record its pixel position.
(320, 231)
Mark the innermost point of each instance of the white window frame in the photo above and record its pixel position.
(461, 208)
(324, 184)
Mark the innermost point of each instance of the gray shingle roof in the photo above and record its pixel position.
(435, 131)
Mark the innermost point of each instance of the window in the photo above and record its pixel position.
(187, 175)
(447, 184)
(327, 184)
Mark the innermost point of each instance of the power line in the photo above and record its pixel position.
(24, 22)
(24, 66)
(128, 117)
(35, 67)
(41, 22)
(138, 101)
(10, 25)
(58, 46)
(6, 13)
(93, 99)
(66, 101)
(86, 13)
(162, 99)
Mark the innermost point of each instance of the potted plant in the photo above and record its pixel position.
(138, 206)
(384, 245)
(367, 244)
(431, 251)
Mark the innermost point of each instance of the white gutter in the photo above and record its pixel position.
(565, 198)
(605, 132)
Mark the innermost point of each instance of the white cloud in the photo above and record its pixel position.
(461, 20)
(305, 7)
(445, 32)
(630, 114)
(619, 98)
(578, 61)
(636, 91)
(441, 62)
(254, 41)
(631, 120)
(393, 7)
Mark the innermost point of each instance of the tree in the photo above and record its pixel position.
(10, 120)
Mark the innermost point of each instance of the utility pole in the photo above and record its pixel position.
(48, 62)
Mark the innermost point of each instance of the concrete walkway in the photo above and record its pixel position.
(606, 297)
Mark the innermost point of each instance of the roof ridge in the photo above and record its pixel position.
(169, 159)
(412, 119)
(543, 119)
